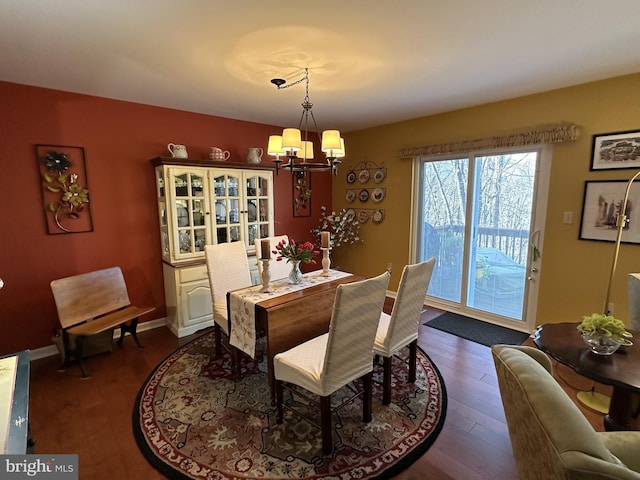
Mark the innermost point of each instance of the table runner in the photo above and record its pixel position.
(242, 306)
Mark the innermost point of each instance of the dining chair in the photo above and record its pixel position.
(400, 328)
(228, 269)
(276, 269)
(328, 362)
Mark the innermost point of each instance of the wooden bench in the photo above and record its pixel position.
(91, 303)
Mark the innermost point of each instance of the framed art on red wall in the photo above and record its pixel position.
(65, 190)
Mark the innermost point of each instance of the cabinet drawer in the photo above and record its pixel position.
(191, 274)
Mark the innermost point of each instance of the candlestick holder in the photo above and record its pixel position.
(266, 275)
(326, 262)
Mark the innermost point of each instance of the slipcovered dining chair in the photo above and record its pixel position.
(228, 269)
(550, 436)
(326, 363)
(276, 269)
(400, 329)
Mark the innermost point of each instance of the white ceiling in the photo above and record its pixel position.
(371, 62)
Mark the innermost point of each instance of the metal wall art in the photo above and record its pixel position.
(301, 195)
(65, 191)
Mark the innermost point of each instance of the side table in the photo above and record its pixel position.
(563, 342)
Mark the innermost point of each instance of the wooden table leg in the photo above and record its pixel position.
(624, 411)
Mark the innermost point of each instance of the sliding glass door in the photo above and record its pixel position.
(475, 215)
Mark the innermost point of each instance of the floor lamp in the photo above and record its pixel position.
(592, 399)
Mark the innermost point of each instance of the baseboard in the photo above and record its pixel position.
(52, 350)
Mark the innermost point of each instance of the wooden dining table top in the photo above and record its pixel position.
(306, 292)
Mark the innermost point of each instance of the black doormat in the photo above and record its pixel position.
(476, 330)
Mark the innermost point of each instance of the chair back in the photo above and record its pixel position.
(633, 281)
(550, 436)
(405, 316)
(352, 331)
(228, 269)
(277, 269)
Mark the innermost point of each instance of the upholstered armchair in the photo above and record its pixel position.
(550, 436)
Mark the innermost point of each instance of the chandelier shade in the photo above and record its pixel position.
(274, 146)
(294, 143)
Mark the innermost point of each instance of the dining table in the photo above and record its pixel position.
(286, 314)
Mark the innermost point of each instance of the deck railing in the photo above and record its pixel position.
(512, 242)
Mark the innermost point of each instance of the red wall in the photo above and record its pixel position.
(120, 139)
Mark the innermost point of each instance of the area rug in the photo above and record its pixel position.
(476, 330)
(193, 420)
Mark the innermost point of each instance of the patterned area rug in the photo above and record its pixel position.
(192, 420)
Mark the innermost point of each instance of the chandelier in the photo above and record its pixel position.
(294, 143)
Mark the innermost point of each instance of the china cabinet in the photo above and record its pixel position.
(203, 202)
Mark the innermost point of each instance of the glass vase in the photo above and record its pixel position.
(601, 345)
(295, 275)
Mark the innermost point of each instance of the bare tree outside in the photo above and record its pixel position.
(500, 214)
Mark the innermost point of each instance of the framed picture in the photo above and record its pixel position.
(616, 150)
(602, 203)
(301, 195)
(65, 192)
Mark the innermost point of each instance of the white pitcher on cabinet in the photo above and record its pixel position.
(254, 155)
(177, 151)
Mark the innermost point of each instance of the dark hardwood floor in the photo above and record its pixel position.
(92, 417)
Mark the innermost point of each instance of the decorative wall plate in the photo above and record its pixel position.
(363, 176)
(350, 196)
(363, 216)
(364, 195)
(350, 215)
(377, 195)
(377, 217)
(379, 175)
(351, 176)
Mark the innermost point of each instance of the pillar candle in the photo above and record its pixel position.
(265, 248)
(325, 239)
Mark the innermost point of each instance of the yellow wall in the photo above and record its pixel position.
(574, 272)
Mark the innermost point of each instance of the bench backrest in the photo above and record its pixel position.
(88, 295)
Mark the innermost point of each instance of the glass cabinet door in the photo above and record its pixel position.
(259, 206)
(227, 207)
(189, 211)
(200, 205)
(162, 213)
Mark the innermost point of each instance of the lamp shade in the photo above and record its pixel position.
(341, 152)
(275, 145)
(330, 140)
(306, 150)
(291, 139)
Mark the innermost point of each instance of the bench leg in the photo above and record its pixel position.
(131, 329)
(66, 351)
(79, 354)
